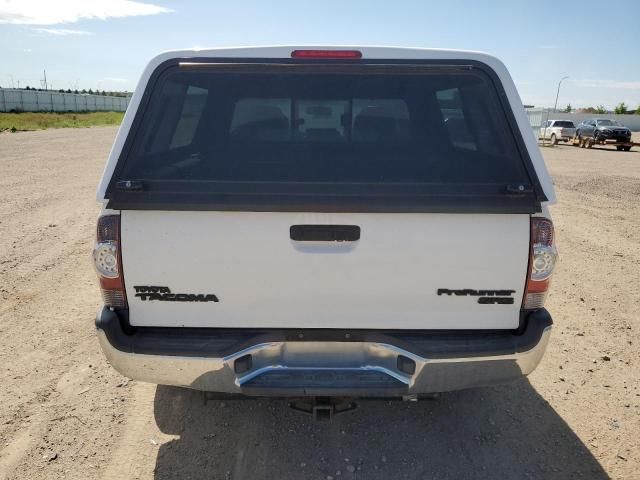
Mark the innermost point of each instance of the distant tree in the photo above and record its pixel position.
(76, 91)
(83, 91)
(638, 110)
(68, 90)
(27, 87)
(620, 109)
(61, 90)
(601, 109)
(568, 108)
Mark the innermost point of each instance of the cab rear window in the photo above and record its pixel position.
(564, 124)
(321, 138)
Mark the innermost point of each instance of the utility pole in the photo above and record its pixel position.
(555, 107)
(44, 80)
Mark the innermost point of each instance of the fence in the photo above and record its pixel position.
(537, 116)
(49, 101)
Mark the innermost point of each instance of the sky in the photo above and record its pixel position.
(105, 44)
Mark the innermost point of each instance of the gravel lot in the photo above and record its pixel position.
(65, 413)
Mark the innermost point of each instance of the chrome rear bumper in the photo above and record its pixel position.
(289, 367)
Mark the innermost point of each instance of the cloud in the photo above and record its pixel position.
(62, 31)
(49, 12)
(114, 80)
(597, 83)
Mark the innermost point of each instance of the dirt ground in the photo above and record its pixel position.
(64, 413)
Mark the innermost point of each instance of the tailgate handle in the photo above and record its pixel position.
(324, 233)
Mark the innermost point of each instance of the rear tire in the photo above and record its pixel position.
(619, 148)
(627, 148)
(582, 142)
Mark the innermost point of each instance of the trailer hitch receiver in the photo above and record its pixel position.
(323, 409)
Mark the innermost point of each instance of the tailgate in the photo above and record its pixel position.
(389, 278)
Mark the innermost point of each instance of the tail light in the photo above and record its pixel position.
(107, 260)
(542, 261)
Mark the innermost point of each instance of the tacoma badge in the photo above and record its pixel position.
(164, 294)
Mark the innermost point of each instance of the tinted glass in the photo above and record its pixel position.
(564, 124)
(208, 129)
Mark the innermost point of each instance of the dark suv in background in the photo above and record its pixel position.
(601, 129)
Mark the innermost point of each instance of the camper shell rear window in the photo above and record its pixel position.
(285, 136)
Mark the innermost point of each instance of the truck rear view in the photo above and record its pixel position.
(325, 223)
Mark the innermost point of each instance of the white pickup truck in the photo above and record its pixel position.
(557, 131)
(325, 222)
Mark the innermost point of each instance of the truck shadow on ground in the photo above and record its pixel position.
(505, 432)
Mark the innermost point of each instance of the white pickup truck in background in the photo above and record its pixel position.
(324, 223)
(557, 131)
